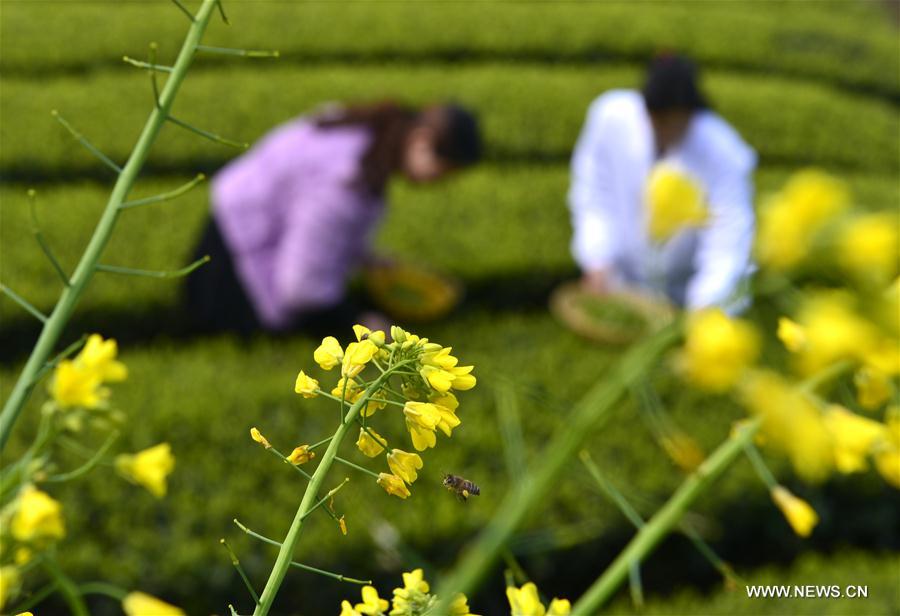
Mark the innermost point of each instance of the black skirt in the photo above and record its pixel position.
(214, 298)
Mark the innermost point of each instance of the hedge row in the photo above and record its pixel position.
(203, 395)
(529, 112)
(850, 44)
(528, 202)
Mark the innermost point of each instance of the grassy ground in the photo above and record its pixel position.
(805, 83)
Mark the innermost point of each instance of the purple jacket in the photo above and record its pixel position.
(296, 218)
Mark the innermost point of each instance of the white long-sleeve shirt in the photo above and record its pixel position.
(610, 167)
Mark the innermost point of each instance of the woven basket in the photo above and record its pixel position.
(410, 293)
(628, 315)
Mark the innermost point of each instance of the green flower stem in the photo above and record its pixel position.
(85, 468)
(103, 588)
(535, 485)
(336, 576)
(283, 561)
(237, 565)
(356, 466)
(87, 266)
(35, 599)
(325, 498)
(320, 443)
(765, 475)
(70, 592)
(655, 530)
(284, 459)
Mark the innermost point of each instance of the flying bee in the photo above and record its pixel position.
(463, 488)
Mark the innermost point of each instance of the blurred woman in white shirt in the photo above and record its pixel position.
(626, 134)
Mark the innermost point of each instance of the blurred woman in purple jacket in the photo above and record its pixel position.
(292, 219)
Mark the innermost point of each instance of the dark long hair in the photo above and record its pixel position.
(457, 137)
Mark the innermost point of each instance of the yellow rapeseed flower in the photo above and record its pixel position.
(148, 468)
(329, 354)
(301, 455)
(422, 418)
(791, 423)
(306, 386)
(674, 201)
(833, 332)
(415, 580)
(364, 333)
(9, 584)
(884, 356)
(354, 392)
(368, 445)
(357, 355)
(73, 385)
(142, 604)
(559, 607)
(854, 438)
(887, 453)
(404, 465)
(347, 609)
(372, 604)
(463, 380)
(99, 356)
(792, 335)
(439, 358)
(257, 436)
(38, 517)
(869, 246)
(437, 378)
(873, 388)
(797, 511)
(717, 350)
(460, 606)
(393, 485)
(524, 601)
(790, 220)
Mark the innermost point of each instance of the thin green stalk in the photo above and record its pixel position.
(85, 468)
(237, 565)
(103, 588)
(762, 471)
(532, 490)
(166, 196)
(356, 466)
(70, 296)
(70, 592)
(337, 576)
(24, 303)
(34, 599)
(130, 271)
(655, 530)
(283, 561)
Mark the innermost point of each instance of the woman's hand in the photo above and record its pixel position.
(597, 282)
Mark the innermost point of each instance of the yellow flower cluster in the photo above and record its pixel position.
(142, 604)
(148, 468)
(38, 518)
(79, 382)
(674, 202)
(428, 375)
(718, 349)
(820, 440)
(869, 247)
(525, 601)
(790, 221)
(413, 599)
